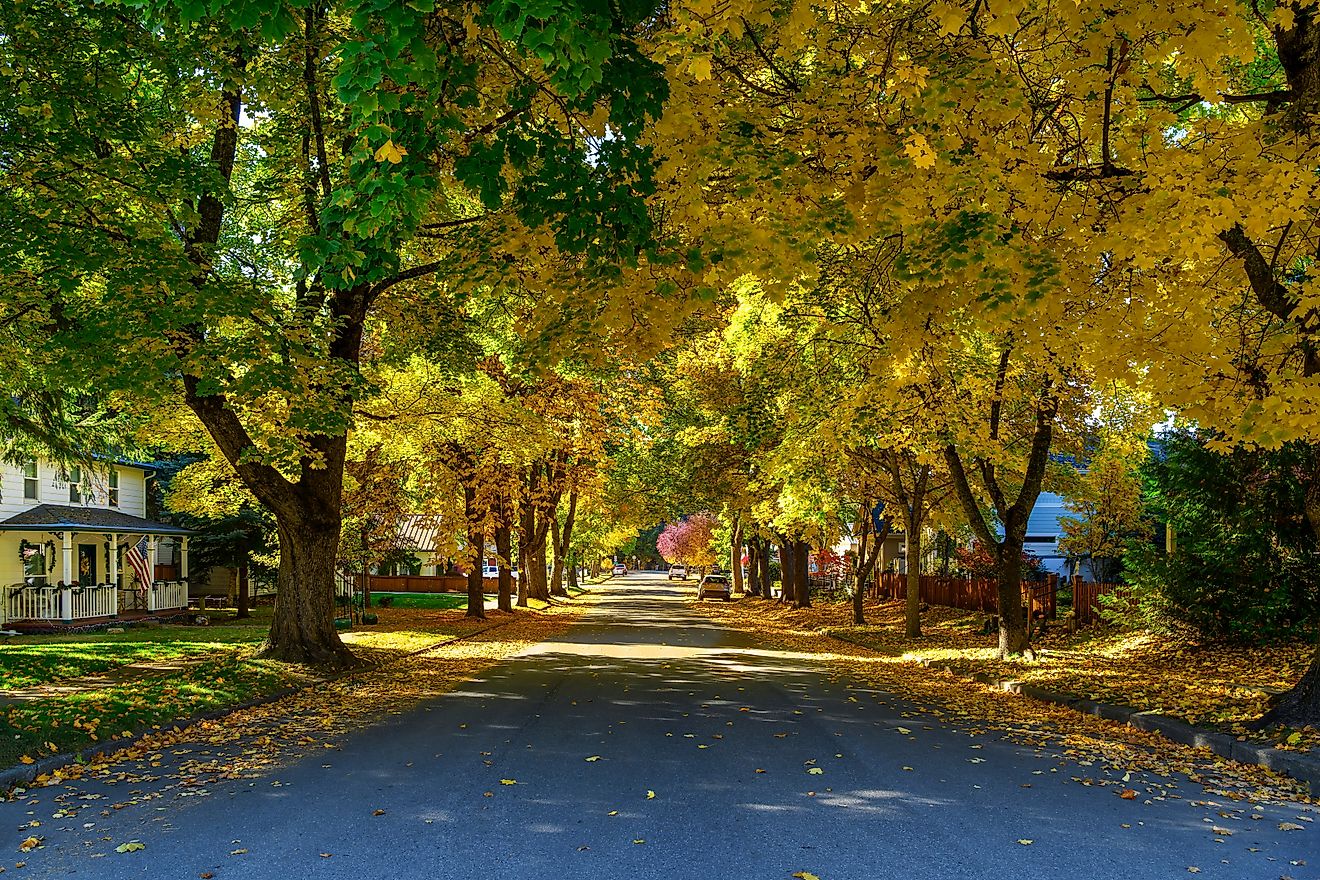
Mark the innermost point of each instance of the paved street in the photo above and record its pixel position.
(725, 734)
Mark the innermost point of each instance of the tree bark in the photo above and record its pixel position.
(787, 570)
(525, 523)
(912, 604)
(503, 547)
(1012, 618)
(562, 538)
(764, 560)
(302, 629)
(476, 598)
(753, 568)
(735, 557)
(540, 589)
(801, 578)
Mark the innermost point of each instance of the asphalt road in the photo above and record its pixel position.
(724, 734)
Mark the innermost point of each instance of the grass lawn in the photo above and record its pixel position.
(1214, 685)
(220, 669)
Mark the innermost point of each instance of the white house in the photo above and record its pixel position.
(69, 539)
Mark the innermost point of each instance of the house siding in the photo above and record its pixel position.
(53, 489)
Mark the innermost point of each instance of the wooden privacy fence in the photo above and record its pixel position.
(982, 594)
(1086, 600)
(971, 594)
(417, 583)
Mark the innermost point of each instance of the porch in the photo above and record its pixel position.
(65, 564)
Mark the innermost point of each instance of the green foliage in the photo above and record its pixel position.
(1246, 565)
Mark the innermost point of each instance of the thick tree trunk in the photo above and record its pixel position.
(1012, 619)
(735, 558)
(526, 520)
(764, 559)
(787, 570)
(573, 571)
(540, 589)
(753, 568)
(912, 605)
(801, 580)
(503, 547)
(1299, 706)
(476, 592)
(243, 590)
(302, 629)
(557, 563)
(476, 599)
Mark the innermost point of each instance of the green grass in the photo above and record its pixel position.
(73, 722)
(424, 600)
(32, 660)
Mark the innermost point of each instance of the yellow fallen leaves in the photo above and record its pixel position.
(131, 846)
(592, 759)
(815, 771)
(508, 782)
(1026, 841)
(903, 730)
(26, 759)
(805, 875)
(1291, 826)
(1128, 794)
(639, 840)
(30, 844)
(650, 795)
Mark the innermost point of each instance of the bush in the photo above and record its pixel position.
(1246, 565)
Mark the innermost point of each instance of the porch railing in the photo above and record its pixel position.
(97, 600)
(164, 595)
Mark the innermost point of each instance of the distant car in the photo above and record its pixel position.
(678, 571)
(493, 571)
(714, 586)
(620, 569)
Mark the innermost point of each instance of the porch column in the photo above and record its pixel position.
(151, 557)
(66, 544)
(183, 558)
(114, 561)
(66, 594)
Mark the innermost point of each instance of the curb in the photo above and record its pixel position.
(24, 774)
(1296, 765)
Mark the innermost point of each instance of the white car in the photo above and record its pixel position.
(620, 568)
(678, 571)
(493, 571)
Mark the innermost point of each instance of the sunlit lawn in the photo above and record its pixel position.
(222, 670)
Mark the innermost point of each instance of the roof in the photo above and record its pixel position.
(59, 517)
(418, 533)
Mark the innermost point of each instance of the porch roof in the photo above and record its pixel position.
(63, 517)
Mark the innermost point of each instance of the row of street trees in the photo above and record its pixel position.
(945, 244)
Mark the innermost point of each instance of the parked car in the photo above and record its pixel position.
(678, 571)
(714, 586)
(493, 571)
(620, 569)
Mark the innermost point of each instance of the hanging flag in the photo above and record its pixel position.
(136, 556)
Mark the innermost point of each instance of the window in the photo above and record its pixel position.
(114, 488)
(34, 562)
(75, 485)
(31, 480)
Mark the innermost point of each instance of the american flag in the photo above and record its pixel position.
(136, 556)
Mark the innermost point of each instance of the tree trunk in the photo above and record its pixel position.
(787, 570)
(753, 568)
(562, 539)
(912, 605)
(302, 629)
(1012, 620)
(525, 523)
(540, 589)
(243, 608)
(476, 599)
(557, 563)
(764, 559)
(735, 558)
(801, 575)
(503, 547)
(573, 571)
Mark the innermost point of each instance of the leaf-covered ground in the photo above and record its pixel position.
(156, 676)
(891, 665)
(250, 741)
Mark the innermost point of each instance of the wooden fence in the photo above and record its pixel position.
(971, 594)
(418, 583)
(1086, 600)
(978, 594)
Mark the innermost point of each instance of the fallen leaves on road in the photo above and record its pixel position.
(650, 795)
(805, 875)
(131, 846)
(1026, 841)
(30, 844)
(593, 758)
